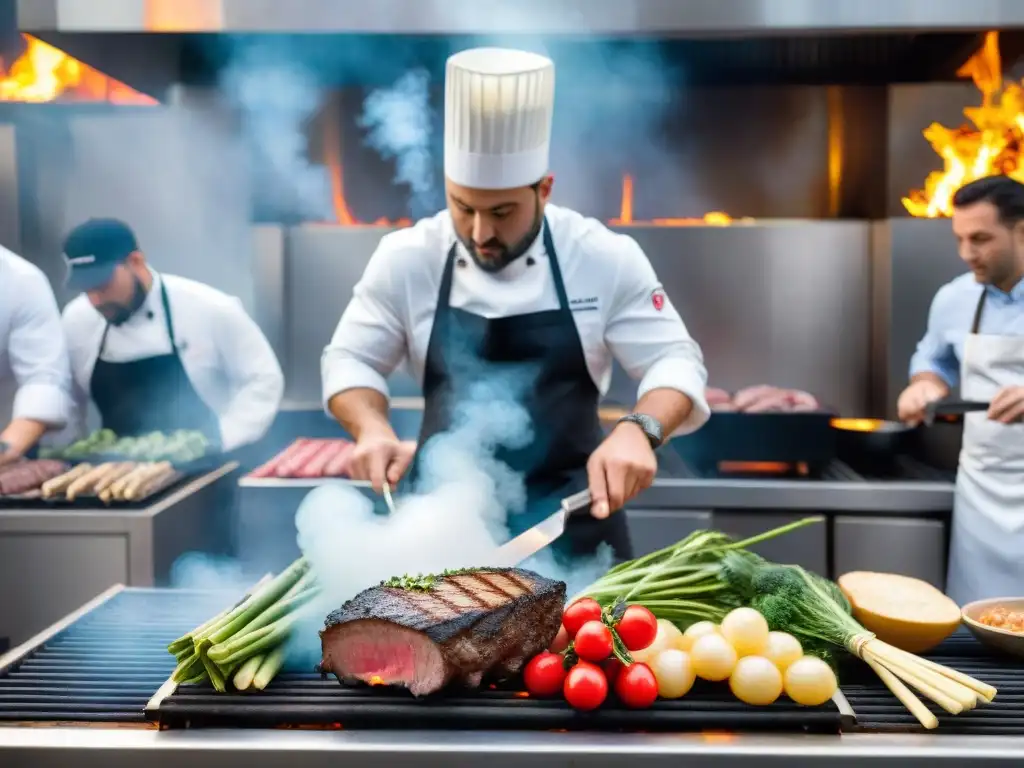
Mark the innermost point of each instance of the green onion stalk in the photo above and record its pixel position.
(682, 583)
(246, 645)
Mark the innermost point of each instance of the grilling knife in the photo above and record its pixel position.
(951, 410)
(527, 544)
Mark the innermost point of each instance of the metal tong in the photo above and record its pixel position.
(387, 497)
(951, 410)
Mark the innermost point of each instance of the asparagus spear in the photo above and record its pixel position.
(260, 600)
(244, 677)
(270, 666)
(263, 639)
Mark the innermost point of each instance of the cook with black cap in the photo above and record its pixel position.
(35, 376)
(157, 352)
(512, 278)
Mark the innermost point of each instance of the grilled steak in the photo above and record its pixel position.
(424, 633)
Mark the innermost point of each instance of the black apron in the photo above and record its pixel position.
(560, 397)
(152, 394)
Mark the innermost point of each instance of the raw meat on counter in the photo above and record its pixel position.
(25, 476)
(424, 632)
(309, 458)
(761, 399)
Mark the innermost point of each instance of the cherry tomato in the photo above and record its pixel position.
(593, 642)
(636, 686)
(638, 627)
(579, 613)
(544, 675)
(585, 687)
(561, 641)
(612, 667)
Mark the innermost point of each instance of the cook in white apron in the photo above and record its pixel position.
(987, 547)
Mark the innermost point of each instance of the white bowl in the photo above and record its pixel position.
(998, 639)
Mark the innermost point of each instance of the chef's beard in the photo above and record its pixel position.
(119, 314)
(505, 254)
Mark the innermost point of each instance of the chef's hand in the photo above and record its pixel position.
(621, 468)
(915, 398)
(378, 457)
(1008, 405)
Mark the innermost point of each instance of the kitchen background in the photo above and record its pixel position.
(787, 175)
(788, 190)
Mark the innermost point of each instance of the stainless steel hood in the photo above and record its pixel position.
(568, 17)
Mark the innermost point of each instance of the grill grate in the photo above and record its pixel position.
(106, 665)
(879, 711)
(307, 700)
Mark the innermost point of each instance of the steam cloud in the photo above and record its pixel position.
(276, 98)
(454, 518)
(399, 122)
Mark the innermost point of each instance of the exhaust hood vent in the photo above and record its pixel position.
(646, 18)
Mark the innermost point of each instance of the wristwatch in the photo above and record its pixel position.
(650, 425)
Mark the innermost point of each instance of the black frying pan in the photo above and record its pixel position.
(872, 441)
(951, 411)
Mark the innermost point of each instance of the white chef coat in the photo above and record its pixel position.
(620, 310)
(34, 368)
(225, 354)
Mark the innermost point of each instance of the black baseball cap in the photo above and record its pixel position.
(94, 249)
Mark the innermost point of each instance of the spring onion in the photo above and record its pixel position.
(245, 645)
(814, 610)
(682, 582)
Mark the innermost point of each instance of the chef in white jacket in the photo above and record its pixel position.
(34, 367)
(156, 352)
(505, 278)
(975, 338)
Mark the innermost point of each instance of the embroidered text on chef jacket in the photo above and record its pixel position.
(32, 347)
(225, 354)
(620, 310)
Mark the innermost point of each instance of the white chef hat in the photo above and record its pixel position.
(497, 117)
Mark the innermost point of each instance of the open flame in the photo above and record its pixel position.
(713, 219)
(332, 159)
(44, 73)
(990, 145)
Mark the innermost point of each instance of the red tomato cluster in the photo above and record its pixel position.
(583, 664)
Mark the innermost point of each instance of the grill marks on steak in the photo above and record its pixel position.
(466, 626)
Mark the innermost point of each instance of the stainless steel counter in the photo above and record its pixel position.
(50, 747)
(881, 497)
(65, 556)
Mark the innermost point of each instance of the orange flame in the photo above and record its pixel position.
(625, 218)
(990, 146)
(44, 73)
(332, 159)
(376, 680)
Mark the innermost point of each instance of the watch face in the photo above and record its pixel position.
(649, 425)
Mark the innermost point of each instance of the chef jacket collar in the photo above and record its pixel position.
(518, 267)
(152, 306)
(1016, 293)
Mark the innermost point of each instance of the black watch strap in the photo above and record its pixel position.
(650, 426)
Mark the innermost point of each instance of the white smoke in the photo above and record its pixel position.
(399, 122)
(455, 517)
(275, 98)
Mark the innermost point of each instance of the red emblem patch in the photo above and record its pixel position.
(658, 300)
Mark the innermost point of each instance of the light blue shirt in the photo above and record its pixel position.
(949, 321)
